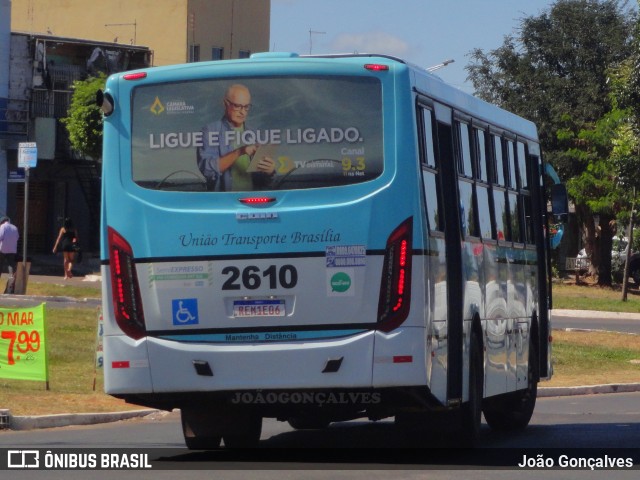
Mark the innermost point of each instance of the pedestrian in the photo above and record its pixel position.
(68, 242)
(9, 236)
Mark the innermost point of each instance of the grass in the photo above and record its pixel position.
(593, 297)
(71, 337)
(591, 358)
(579, 358)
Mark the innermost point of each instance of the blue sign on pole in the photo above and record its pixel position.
(27, 155)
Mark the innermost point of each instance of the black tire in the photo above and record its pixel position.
(196, 436)
(471, 415)
(308, 423)
(245, 433)
(513, 411)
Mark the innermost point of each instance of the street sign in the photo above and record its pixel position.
(16, 176)
(27, 155)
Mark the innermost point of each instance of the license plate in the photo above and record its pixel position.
(258, 308)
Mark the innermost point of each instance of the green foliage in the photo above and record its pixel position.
(556, 69)
(84, 121)
(572, 70)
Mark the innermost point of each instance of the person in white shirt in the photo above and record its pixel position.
(8, 245)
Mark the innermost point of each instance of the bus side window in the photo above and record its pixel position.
(484, 211)
(514, 213)
(511, 164)
(482, 166)
(522, 165)
(463, 149)
(498, 161)
(467, 212)
(432, 198)
(429, 156)
(528, 220)
(430, 172)
(500, 214)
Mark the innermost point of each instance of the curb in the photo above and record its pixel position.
(588, 390)
(67, 419)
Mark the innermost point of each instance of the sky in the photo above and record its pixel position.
(423, 32)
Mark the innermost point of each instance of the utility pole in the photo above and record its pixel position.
(625, 276)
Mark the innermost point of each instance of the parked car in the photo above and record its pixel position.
(618, 258)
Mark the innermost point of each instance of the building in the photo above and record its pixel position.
(40, 85)
(54, 43)
(177, 31)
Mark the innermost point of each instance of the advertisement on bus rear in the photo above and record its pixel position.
(255, 134)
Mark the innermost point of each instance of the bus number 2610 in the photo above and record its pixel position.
(251, 277)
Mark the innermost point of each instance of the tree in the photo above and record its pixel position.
(84, 120)
(556, 72)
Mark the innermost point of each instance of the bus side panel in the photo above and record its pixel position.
(495, 325)
(400, 358)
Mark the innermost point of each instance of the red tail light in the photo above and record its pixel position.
(257, 200)
(395, 286)
(135, 76)
(376, 67)
(127, 303)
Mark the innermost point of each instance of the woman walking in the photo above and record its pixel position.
(68, 242)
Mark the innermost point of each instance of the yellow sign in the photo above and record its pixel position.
(23, 353)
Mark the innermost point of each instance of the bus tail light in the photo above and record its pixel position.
(125, 291)
(395, 286)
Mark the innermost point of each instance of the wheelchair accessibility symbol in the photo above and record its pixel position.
(185, 311)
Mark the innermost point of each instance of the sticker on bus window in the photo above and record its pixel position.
(185, 311)
(341, 256)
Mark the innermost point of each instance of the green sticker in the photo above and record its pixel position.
(340, 282)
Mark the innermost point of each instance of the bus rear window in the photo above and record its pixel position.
(255, 134)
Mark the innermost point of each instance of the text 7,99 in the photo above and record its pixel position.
(24, 342)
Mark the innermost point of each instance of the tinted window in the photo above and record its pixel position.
(511, 163)
(500, 208)
(499, 167)
(481, 148)
(464, 150)
(313, 132)
(514, 208)
(430, 157)
(431, 194)
(484, 211)
(467, 214)
(522, 166)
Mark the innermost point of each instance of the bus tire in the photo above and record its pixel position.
(198, 434)
(513, 411)
(308, 423)
(471, 414)
(245, 433)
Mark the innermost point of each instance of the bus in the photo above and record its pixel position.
(317, 239)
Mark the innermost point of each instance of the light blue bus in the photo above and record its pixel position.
(320, 238)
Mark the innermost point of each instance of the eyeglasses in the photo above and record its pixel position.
(237, 106)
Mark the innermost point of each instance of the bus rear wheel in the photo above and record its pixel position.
(308, 422)
(199, 433)
(472, 410)
(513, 411)
(245, 433)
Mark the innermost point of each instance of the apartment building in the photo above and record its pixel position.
(177, 31)
(51, 44)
